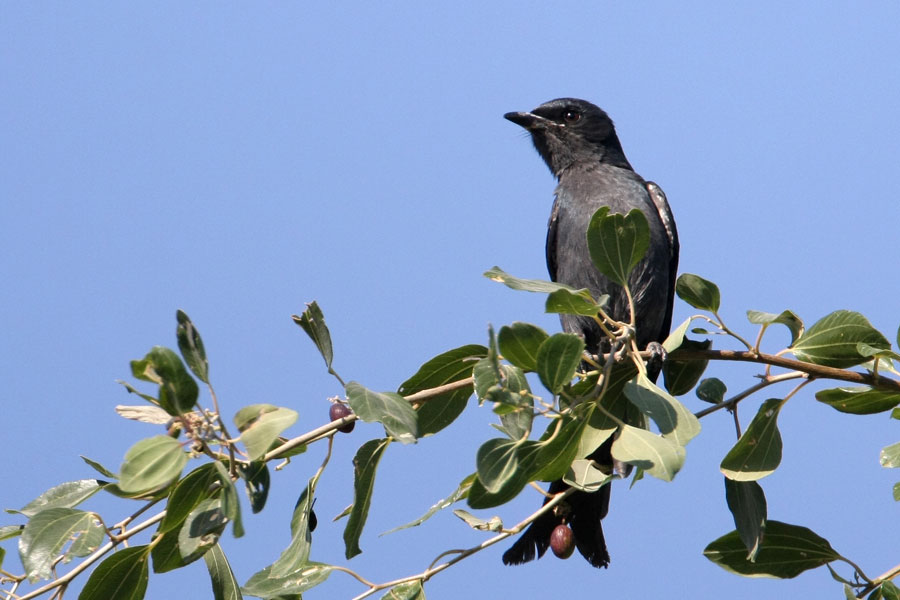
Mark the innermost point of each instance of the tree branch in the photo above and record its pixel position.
(65, 579)
(816, 371)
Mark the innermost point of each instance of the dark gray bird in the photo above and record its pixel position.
(578, 142)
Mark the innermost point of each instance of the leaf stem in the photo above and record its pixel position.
(725, 328)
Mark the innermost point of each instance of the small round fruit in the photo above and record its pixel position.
(562, 541)
(339, 411)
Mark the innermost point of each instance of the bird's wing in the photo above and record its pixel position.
(665, 214)
(551, 239)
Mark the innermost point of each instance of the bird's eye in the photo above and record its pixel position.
(571, 116)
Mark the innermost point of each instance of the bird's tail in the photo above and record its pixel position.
(585, 510)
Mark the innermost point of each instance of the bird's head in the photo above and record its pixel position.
(569, 130)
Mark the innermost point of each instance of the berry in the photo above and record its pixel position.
(562, 541)
(339, 411)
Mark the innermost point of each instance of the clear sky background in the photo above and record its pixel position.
(237, 160)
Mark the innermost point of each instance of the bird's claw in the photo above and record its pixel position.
(658, 356)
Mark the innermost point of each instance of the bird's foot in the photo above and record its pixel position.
(658, 356)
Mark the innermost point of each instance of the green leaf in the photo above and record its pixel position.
(525, 285)
(287, 587)
(122, 576)
(680, 376)
(45, 535)
(834, 575)
(411, 590)
(785, 552)
(10, 531)
(501, 383)
(517, 402)
(195, 487)
(885, 355)
(365, 464)
(599, 428)
(256, 483)
(494, 524)
(131, 390)
(786, 318)
(312, 321)
(191, 346)
(617, 242)
(388, 408)
(64, 495)
(557, 359)
(747, 504)
(231, 504)
(441, 410)
(889, 591)
(654, 454)
(698, 292)
(201, 529)
(152, 464)
(832, 341)
(674, 420)
(302, 523)
(676, 337)
(165, 554)
(99, 468)
(896, 493)
(497, 460)
(575, 303)
(890, 456)
(601, 424)
(261, 424)
(862, 400)
(458, 494)
(584, 475)
(87, 541)
(199, 532)
(177, 389)
(224, 584)
(480, 498)
(758, 452)
(557, 449)
(519, 344)
(712, 390)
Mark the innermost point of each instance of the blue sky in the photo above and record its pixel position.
(238, 160)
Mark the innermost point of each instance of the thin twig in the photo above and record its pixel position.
(731, 402)
(725, 328)
(432, 571)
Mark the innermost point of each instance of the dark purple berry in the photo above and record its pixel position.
(562, 541)
(339, 411)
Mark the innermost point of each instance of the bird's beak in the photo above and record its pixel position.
(527, 120)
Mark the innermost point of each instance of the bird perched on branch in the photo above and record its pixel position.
(578, 142)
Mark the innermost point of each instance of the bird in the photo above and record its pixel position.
(578, 142)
